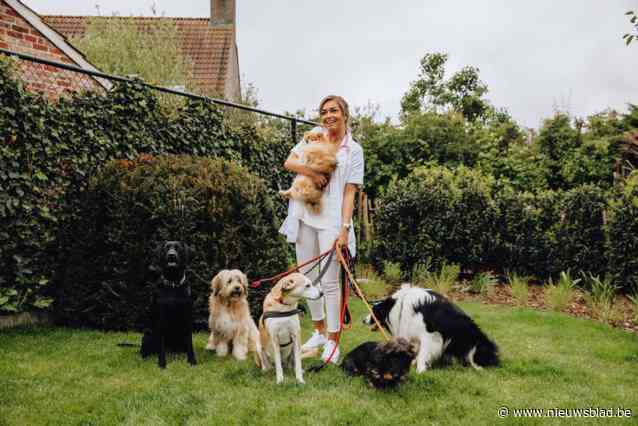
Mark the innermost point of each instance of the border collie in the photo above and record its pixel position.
(442, 328)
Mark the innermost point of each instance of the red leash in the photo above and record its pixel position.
(345, 294)
(257, 283)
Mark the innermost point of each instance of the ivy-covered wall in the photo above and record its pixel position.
(48, 150)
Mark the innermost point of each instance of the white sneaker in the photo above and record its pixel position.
(316, 341)
(328, 349)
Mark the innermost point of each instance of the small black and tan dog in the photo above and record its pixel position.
(384, 364)
(171, 328)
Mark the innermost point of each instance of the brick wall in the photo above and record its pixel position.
(18, 35)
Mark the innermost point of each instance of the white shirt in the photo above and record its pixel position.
(350, 167)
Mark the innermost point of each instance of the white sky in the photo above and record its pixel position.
(535, 56)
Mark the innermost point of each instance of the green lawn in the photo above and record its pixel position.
(550, 360)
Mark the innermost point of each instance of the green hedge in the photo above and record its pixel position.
(435, 215)
(217, 207)
(50, 148)
(461, 216)
(524, 226)
(622, 231)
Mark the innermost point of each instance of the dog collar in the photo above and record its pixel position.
(278, 314)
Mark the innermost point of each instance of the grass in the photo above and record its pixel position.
(392, 272)
(602, 295)
(482, 283)
(559, 296)
(65, 376)
(520, 289)
(441, 281)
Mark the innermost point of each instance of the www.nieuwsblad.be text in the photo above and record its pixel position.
(593, 412)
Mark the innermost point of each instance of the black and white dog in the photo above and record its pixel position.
(171, 327)
(442, 328)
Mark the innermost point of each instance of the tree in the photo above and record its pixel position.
(634, 21)
(119, 46)
(463, 92)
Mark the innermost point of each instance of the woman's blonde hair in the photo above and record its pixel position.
(345, 110)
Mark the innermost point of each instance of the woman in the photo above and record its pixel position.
(316, 233)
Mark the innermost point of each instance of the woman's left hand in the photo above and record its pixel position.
(342, 239)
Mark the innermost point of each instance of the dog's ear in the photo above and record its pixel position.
(216, 283)
(244, 281)
(276, 292)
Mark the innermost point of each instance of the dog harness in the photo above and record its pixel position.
(278, 314)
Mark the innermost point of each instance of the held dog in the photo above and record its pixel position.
(321, 156)
(385, 365)
(172, 308)
(441, 327)
(279, 324)
(231, 326)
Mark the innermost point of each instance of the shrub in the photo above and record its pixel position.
(437, 214)
(215, 206)
(559, 296)
(579, 233)
(524, 223)
(622, 232)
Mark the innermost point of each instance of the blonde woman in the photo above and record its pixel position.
(315, 233)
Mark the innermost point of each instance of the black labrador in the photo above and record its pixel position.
(171, 327)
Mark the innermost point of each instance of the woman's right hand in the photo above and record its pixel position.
(319, 179)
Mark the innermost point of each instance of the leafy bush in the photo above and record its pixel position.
(622, 234)
(559, 296)
(579, 233)
(437, 214)
(524, 229)
(215, 206)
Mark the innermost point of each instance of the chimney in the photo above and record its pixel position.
(222, 12)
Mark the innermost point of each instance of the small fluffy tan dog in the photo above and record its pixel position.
(321, 156)
(279, 326)
(231, 326)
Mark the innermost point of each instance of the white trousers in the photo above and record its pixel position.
(311, 242)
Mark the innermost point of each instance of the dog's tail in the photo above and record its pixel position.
(128, 345)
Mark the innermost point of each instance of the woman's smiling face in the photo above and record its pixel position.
(332, 117)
